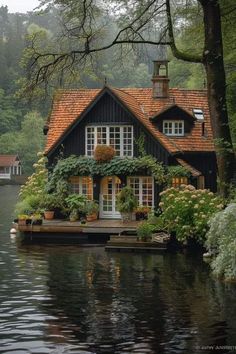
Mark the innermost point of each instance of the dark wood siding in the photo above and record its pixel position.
(205, 163)
(108, 111)
(175, 113)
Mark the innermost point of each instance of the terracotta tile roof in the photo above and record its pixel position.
(194, 172)
(7, 160)
(70, 104)
(67, 107)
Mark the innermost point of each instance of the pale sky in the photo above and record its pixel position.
(19, 5)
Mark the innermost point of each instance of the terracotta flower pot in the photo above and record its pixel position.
(92, 217)
(48, 215)
(21, 222)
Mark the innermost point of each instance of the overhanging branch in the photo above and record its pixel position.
(177, 53)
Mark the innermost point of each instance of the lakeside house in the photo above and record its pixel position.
(10, 166)
(175, 124)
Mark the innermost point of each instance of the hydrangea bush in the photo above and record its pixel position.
(32, 192)
(186, 211)
(221, 241)
(36, 183)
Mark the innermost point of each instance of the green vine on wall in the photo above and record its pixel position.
(87, 166)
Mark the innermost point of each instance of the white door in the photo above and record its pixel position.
(110, 187)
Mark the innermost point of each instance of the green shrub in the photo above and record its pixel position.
(144, 231)
(76, 202)
(186, 211)
(126, 200)
(221, 240)
(50, 201)
(28, 205)
(91, 207)
(36, 183)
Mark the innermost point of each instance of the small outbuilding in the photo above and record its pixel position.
(10, 166)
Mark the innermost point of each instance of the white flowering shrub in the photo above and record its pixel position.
(32, 192)
(36, 183)
(186, 211)
(221, 240)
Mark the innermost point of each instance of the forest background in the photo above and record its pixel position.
(22, 116)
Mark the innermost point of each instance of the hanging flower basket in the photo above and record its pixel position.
(104, 153)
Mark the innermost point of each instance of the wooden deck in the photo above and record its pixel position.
(115, 235)
(131, 244)
(93, 227)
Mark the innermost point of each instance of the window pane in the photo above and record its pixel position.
(177, 181)
(82, 185)
(175, 128)
(115, 134)
(101, 135)
(90, 141)
(143, 189)
(87, 187)
(119, 137)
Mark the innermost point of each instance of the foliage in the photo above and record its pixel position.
(186, 211)
(144, 231)
(126, 200)
(91, 207)
(36, 216)
(10, 117)
(28, 205)
(36, 183)
(177, 171)
(104, 153)
(86, 166)
(222, 242)
(50, 202)
(23, 217)
(76, 202)
(143, 209)
(26, 142)
(140, 143)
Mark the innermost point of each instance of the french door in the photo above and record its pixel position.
(110, 187)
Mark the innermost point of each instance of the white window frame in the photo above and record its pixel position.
(121, 127)
(140, 198)
(172, 124)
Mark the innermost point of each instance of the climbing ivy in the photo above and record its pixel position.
(87, 166)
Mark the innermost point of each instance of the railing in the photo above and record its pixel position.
(5, 176)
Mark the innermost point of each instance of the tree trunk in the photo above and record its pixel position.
(216, 87)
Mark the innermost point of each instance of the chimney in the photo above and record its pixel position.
(160, 79)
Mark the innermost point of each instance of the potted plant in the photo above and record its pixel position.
(126, 203)
(92, 210)
(144, 231)
(37, 219)
(49, 203)
(23, 219)
(141, 213)
(76, 204)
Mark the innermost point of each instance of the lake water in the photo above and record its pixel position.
(67, 299)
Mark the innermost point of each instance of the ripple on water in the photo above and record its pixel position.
(68, 300)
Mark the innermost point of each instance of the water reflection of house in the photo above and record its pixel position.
(10, 166)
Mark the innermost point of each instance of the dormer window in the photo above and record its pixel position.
(198, 113)
(173, 127)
